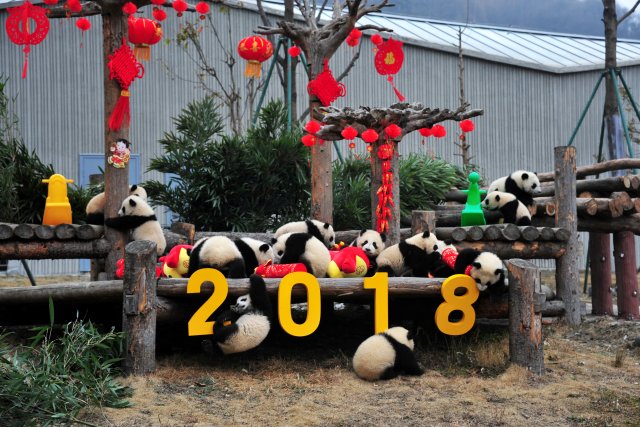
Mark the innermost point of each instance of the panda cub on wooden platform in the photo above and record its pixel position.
(522, 184)
(414, 256)
(512, 209)
(321, 231)
(136, 215)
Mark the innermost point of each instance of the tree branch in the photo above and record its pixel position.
(629, 12)
(375, 27)
(346, 71)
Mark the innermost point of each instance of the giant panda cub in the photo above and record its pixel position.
(136, 215)
(247, 323)
(304, 248)
(522, 184)
(95, 207)
(386, 355)
(512, 209)
(372, 243)
(440, 267)
(484, 267)
(321, 231)
(414, 256)
(234, 258)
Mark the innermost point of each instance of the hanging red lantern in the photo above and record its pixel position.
(325, 87)
(352, 145)
(355, 33)
(438, 131)
(385, 151)
(349, 133)
(129, 8)
(180, 6)
(50, 2)
(27, 25)
(294, 51)
(73, 6)
(388, 61)
(202, 8)
(159, 15)
(370, 136)
(467, 125)
(426, 132)
(312, 127)
(158, 2)
(352, 41)
(393, 131)
(143, 33)
(309, 140)
(125, 69)
(376, 39)
(83, 24)
(256, 50)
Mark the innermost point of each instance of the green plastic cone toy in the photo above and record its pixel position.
(472, 213)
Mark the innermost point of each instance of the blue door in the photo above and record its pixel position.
(91, 164)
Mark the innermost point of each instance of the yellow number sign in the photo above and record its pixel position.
(380, 283)
(453, 302)
(198, 324)
(313, 304)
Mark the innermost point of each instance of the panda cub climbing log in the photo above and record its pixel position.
(95, 207)
(247, 323)
(136, 215)
(414, 256)
(522, 184)
(512, 209)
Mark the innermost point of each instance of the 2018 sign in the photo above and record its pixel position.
(200, 325)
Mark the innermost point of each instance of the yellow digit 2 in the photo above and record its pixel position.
(380, 283)
(313, 304)
(453, 302)
(199, 324)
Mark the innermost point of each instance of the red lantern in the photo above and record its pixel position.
(352, 41)
(385, 151)
(129, 8)
(325, 87)
(294, 51)
(158, 2)
(426, 132)
(438, 131)
(309, 140)
(255, 50)
(370, 136)
(388, 61)
(202, 8)
(349, 133)
(83, 24)
(180, 6)
(50, 2)
(143, 33)
(393, 131)
(355, 33)
(125, 69)
(467, 125)
(376, 39)
(312, 127)
(159, 15)
(22, 31)
(73, 6)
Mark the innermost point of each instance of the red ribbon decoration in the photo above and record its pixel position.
(20, 19)
(125, 69)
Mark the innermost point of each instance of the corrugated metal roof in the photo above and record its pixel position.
(551, 52)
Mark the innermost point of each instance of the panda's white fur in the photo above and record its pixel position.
(95, 207)
(291, 248)
(414, 255)
(136, 215)
(371, 242)
(486, 268)
(237, 258)
(321, 230)
(521, 183)
(248, 320)
(512, 209)
(385, 355)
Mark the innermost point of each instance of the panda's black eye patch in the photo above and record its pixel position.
(375, 245)
(331, 239)
(534, 185)
(365, 242)
(280, 253)
(477, 280)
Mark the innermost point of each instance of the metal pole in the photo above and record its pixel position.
(266, 82)
(584, 113)
(26, 268)
(633, 102)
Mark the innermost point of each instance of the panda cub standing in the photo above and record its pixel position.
(522, 184)
(512, 209)
(136, 215)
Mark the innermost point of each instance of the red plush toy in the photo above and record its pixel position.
(176, 263)
(120, 269)
(278, 271)
(351, 261)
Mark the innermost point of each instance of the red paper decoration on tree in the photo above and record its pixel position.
(73, 6)
(393, 131)
(312, 127)
(352, 41)
(385, 151)
(325, 87)
(83, 24)
(158, 2)
(294, 51)
(27, 25)
(202, 8)
(129, 8)
(180, 6)
(438, 131)
(125, 69)
(467, 125)
(355, 33)
(159, 15)
(376, 39)
(349, 133)
(50, 2)
(256, 50)
(143, 33)
(426, 132)
(388, 61)
(309, 140)
(370, 136)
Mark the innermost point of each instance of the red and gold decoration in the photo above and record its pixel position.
(467, 126)
(158, 2)
(202, 8)
(354, 37)
(438, 131)
(180, 6)
(129, 8)
(278, 271)
(369, 136)
(83, 24)
(159, 14)
(388, 61)
(312, 127)
(349, 133)
(309, 140)
(256, 50)
(425, 132)
(143, 33)
(120, 153)
(393, 131)
(385, 192)
(27, 25)
(125, 69)
(73, 6)
(325, 87)
(294, 51)
(377, 39)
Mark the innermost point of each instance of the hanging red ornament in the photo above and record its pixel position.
(369, 148)
(202, 8)
(376, 39)
(438, 131)
(27, 25)
(83, 24)
(426, 132)
(312, 127)
(349, 133)
(143, 33)
(159, 15)
(325, 86)
(158, 2)
(73, 6)
(352, 41)
(50, 2)
(309, 140)
(355, 33)
(467, 125)
(393, 131)
(125, 69)
(370, 136)
(385, 151)
(294, 51)
(388, 61)
(352, 145)
(129, 8)
(256, 50)
(180, 6)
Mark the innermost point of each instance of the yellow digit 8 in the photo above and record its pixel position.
(453, 302)
(379, 282)
(313, 304)
(199, 324)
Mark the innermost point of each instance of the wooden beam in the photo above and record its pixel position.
(597, 168)
(525, 250)
(54, 249)
(422, 221)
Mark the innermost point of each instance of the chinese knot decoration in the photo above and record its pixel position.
(125, 69)
(256, 50)
(143, 33)
(388, 61)
(27, 25)
(325, 87)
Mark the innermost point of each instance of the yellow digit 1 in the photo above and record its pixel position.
(313, 304)
(380, 283)
(453, 302)
(199, 324)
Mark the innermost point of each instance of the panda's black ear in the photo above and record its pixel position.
(535, 173)
(477, 265)
(383, 237)
(525, 176)
(426, 234)
(498, 271)
(264, 248)
(132, 202)
(134, 187)
(410, 334)
(497, 197)
(362, 231)
(327, 225)
(273, 240)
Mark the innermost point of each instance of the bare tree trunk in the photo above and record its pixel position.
(464, 146)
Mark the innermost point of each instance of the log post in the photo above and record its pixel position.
(186, 229)
(624, 252)
(600, 261)
(567, 277)
(525, 319)
(139, 308)
(393, 233)
(422, 221)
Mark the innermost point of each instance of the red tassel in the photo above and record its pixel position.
(120, 113)
(26, 51)
(398, 94)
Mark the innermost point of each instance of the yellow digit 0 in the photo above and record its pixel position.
(199, 324)
(380, 283)
(453, 302)
(313, 304)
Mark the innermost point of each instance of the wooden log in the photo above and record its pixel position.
(139, 308)
(6, 230)
(624, 223)
(45, 232)
(603, 186)
(511, 232)
(525, 250)
(458, 234)
(596, 168)
(451, 218)
(54, 249)
(620, 203)
(422, 221)
(174, 239)
(89, 232)
(624, 252)
(530, 233)
(186, 229)
(600, 261)
(491, 232)
(475, 233)
(567, 268)
(547, 233)
(526, 347)
(24, 231)
(65, 231)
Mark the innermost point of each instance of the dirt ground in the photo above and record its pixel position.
(592, 378)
